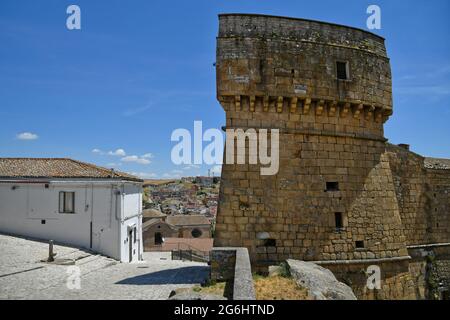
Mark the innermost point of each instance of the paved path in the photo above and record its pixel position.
(24, 276)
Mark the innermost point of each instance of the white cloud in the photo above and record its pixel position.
(191, 166)
(27, 136)
(177, 171)
(136, 159)
(216, 170)
(132, 112)
(144, 175)
(97, 151)
(147, 156)
(113, 164)
(118, 152)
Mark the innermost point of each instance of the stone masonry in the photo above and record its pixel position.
(343, 196)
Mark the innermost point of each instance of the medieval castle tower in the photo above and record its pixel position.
(343, 197)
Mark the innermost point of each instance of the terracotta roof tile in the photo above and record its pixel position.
(57, 168)
(152, 213)
(187, 220)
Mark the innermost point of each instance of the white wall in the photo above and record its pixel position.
(22, 209)
(131, 204)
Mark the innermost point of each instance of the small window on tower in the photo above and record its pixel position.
(342, 70)
(270, 243)
(359, 244)
(332, 186)
(338, 221)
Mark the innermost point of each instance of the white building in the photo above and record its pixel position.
(74, 203)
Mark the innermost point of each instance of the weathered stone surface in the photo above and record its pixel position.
(281, 73)
(233, 264)
(320, 282)
(188, 294)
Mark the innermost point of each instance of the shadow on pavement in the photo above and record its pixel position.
(185, 275)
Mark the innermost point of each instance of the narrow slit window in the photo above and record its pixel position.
(332, 186)
(338, 221)
(342, 70)
(66, 202)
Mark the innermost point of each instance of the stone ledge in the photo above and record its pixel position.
(233, 264)
(431, 245)
(362, 261)
(313, 132)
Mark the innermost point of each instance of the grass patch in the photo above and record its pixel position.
(278, 287)
(215, 288)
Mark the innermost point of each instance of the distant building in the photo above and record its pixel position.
(191, 226)
(72, 202)
(156, 230)
(204, 181)
(149, 214)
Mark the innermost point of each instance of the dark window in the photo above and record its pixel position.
(46, 186)
(270, 243)
(341, 70)
(196, 233)
(134, 235)
(158, 238)
(66, 202)
(359, 244)
(42, 221)
(338, 220)
(332, 186)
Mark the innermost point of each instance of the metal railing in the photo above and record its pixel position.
(189, 253)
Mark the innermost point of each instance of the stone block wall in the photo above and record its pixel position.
(330, 131)
(281, 73)
(423, 195)
(396, 280)
(233, 264)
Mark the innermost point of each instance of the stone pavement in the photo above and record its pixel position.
(24, 276)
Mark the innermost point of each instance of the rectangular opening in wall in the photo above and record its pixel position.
(342, 70)
(42, 221)
(332, 186)
(338, 221)
(270, 243)
(359, 244)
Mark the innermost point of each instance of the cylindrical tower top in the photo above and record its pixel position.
(311, 61)
(275, 27)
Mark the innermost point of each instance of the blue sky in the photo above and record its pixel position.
(137, 70)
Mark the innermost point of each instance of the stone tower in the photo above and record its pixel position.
(327, 88)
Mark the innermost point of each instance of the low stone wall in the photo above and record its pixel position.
(434, 274)
(233, 264)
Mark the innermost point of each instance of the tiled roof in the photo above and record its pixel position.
(187, 220)
(57, 168)
(200, 244)
(152, 213)
(149, 223)
(437, 163)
